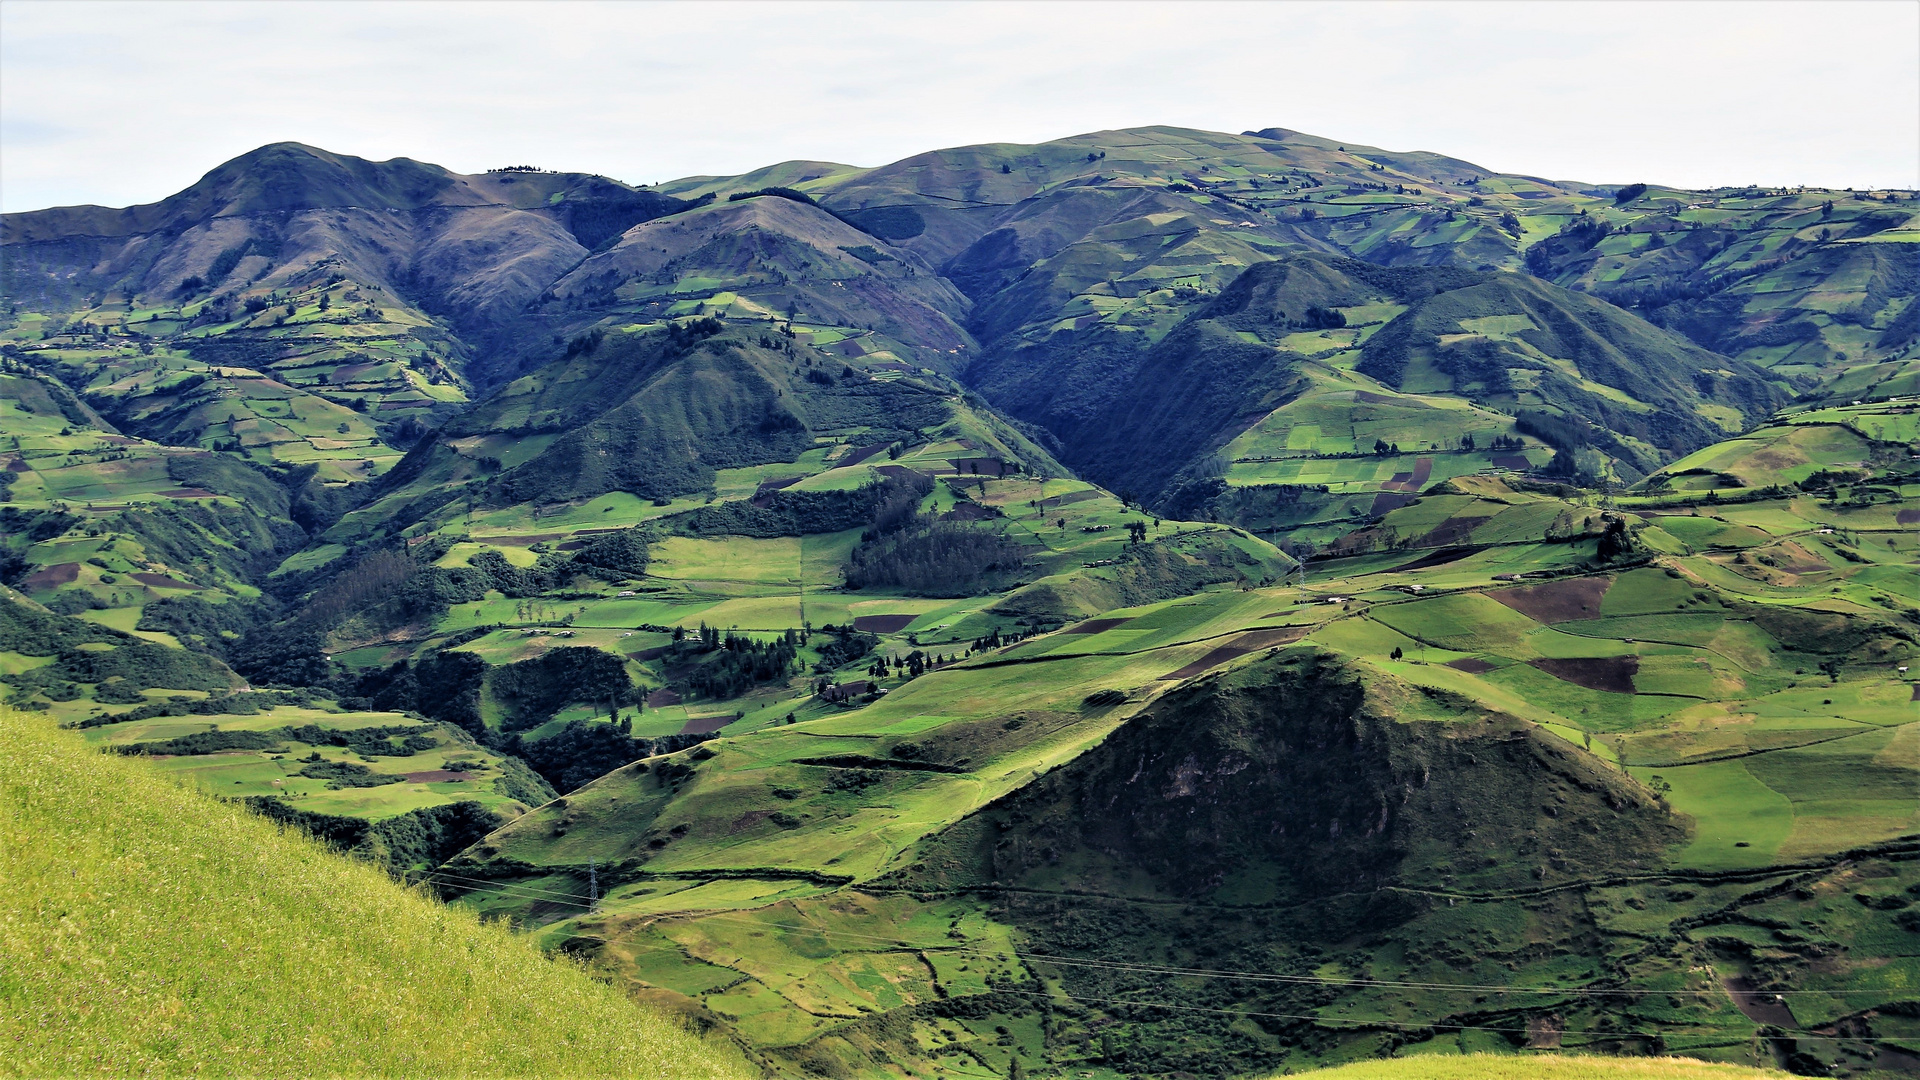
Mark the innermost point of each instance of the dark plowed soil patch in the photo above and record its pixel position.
(1455, 529)
(1438, 558)
(48, 577)
(1557, 601)
(748, 820)
(19, 465)
(1612, 674)
(654, 653)
(189, 493)
(437, 776)
(1916, 692)
(572, 545)
(545, 911)
(1368, 397)
(897, 472)
(1238, 647)
(1095, 626)
(162, 581)
(1069, 498)
(845, 691)
(1516, 462)
(704, 724)
(119, 440)
(859, 454)
(591, 532)
(777, 483)
(1400, 481)
(967, 511)
(662, 698)
(1760, 1007)
(1388, 501)
(979, 466)
(1908, 517)
(882, 624)
(1472, 665)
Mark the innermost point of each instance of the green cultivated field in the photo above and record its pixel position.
(1011, 612)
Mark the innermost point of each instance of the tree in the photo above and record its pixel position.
(1396, 653)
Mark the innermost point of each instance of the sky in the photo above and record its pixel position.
(121, 102)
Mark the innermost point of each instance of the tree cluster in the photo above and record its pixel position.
(738, 662)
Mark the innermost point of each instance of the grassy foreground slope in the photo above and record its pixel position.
(144, 927)
(1490, 1067)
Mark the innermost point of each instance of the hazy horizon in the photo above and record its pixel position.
(118, 104)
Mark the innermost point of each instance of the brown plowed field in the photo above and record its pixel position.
(1557, 601)
(1454, 530)
(882, 624)
(846, 690)
(700, 725)
(1238, 647)
(1472, 665)
(979, 466)
(1613, 674)
(436, 776)
(1412, 481)
(162, 581)
(859, 454)
(48, 577)
(1095, 626)
(1437, 558)
(967, 511)
(660, 699)
(1070, 497)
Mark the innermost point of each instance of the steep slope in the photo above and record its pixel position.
(477, 245)
(1803, 278)
(119, 885)
(660, 411)
(1418, 357)
(1461, 814)
(771, 254)
(434, 266)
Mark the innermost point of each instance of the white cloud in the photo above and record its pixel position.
(118, 103)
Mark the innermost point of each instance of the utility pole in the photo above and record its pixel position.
(593, 880)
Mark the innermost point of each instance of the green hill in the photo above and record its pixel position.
(1156, 603)
(149, 928)
(1281, 374)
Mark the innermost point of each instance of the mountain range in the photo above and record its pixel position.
(1154, 603)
